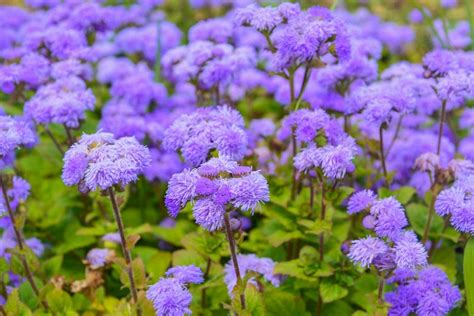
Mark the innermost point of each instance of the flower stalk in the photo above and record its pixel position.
(125, 249)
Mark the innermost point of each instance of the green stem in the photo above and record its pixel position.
(441, 126)
(233, 254)
(21, 243)
(382, 155)
(125, 250)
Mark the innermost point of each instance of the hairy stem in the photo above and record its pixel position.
(70, 138)
(434, 193)
(231, 240)
(125, 250)
(322, 218)
(395, 136)
(55, 141)
(380, 290)
(441, 126)
(382, 155)
(21, 242)
(203, 291)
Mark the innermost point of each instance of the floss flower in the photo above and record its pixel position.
(251, 263)
(170, 295)
(213, 187)
(99, 160)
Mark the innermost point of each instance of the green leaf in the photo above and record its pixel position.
(52, 266)
(331, 291)
(469, 274)
(316, 227)
(185, 257)
(404, 194)
(279, 237)
(279, 302)
(158, 264)
(254, 301)
(14, 306)
(59, 301)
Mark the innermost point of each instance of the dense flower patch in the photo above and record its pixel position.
(233, 157)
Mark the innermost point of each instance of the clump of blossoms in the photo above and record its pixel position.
(170, 295)
(208, 66)
(214, 187)
(456, 202)
(198, 133)
(335, 151)
(62, 102)
(14, 133)
(427, 291)
(101, 161)
(399, 258)
(251, 264)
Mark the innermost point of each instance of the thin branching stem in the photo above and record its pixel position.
(233, 254)
(21, 242)
(125, 249)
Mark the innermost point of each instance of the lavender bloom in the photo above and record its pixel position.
(186, 274)
(409, 253)
(170, 295)
(447, 4)
(213, 186)
(99, 160)
(365, 250)
(390, 217)
(360, 201)
(427, 292)
(251, 263)
(428, 162)
(198, 133)
(15, 132)
(449, 200)
(61, 102)
(97, 258)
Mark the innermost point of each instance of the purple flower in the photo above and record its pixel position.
(428, 162)
(360, 201)
(15, 132)
(365, 250)
(169, 297)
(63, 102)
(390, 217)
(449, 200)
(410, 253)
(209, 214)
(99, 160)
(447, 4)
(214, 186)
(251, 263)
(186, 274)
(97, 258)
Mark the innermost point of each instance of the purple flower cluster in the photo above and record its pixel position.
(424, 292)
(251, 264)
(170, 295)
(456, 201)
(198, 133)
(212, 187)
(14, 133)
(99, 160)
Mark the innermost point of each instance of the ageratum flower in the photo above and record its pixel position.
(100, 160)
(456, 201)
(389, 217)
(170, 295)
(196, 134)
(97, 257)
(15, 132)
(365, 250)
(251, 263)
(18, 193)
(62, 102)
(424, 292)
(213, 187)
(360, 201)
